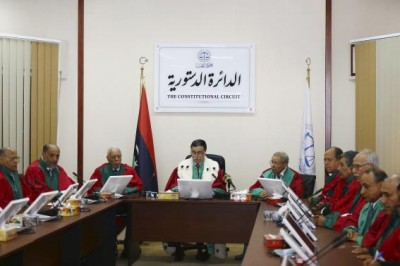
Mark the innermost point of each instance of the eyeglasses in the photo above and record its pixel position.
(358, 166)
(14, 158)
(274, 163)
(197, 153)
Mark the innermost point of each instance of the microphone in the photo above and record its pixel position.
(76, 175)
(303, 208)
(77, 178)
(229, 181)
(304, 216)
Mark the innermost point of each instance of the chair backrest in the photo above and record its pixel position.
(308, 185)
(218, 158)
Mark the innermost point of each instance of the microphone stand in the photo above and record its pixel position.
(78, 179)
(328, 248)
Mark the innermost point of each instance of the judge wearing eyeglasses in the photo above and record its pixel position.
(11, 186)
(279, 170)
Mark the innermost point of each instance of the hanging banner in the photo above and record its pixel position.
(204, 78)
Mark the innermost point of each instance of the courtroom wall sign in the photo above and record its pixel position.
(204, 77)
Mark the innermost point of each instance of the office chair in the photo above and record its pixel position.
(218, 158)
(308, 185)
(202, 251)
(221, 162)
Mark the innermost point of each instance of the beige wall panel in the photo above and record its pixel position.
(54, 93)
(44, 96)
(365, 95)
(388, 103)
(34, 101)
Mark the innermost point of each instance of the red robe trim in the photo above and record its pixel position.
(351, 218)
(376, 230)
(6, 194)
(390, 247)
(36, 179)
(343, 203)
(331, 186)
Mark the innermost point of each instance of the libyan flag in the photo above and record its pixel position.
(144, 159)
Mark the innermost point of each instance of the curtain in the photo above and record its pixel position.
(44, 96)
(378, 100)
(388, 103)
(15, 96)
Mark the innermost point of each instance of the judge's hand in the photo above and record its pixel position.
(316, 209)
(370, 262)
(360, 251)
(365, 258)
(264, 195)
(319, 220)
(352, 236)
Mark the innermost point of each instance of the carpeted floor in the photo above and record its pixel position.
(153, 254)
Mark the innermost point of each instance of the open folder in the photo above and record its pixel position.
(195, 188)
(116, 184)
(65, 194)
(272, 186)
(39, 203)
(12, 208)
(84, 188)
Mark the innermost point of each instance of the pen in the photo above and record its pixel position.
(378, 255)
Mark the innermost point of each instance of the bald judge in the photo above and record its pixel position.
(45, 174)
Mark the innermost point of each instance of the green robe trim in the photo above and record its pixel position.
(394, 222)
(328, 179)
(15, 185)
(197, 174)
(51, 180)
(362, 229)
(108, 171)
(287, 177)
(330, 219)
(327, 209)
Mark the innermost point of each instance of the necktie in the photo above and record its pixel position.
(50, 171)
(198, 170)
(369, 217)
(12, 178)
(13, 185)
(277, 176)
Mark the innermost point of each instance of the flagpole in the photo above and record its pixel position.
(144, 159)
(142, 60)
(308, 63)
(307, 152)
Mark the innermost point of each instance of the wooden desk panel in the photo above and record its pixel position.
(256, 254)
(69, 241)
(214, 221)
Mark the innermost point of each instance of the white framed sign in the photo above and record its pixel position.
(199, 77)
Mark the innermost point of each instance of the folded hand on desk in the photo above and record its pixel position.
(264, 195)
(366, 258)
(352, 236)
(371, 262)
(319, 220)
(359, 251)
